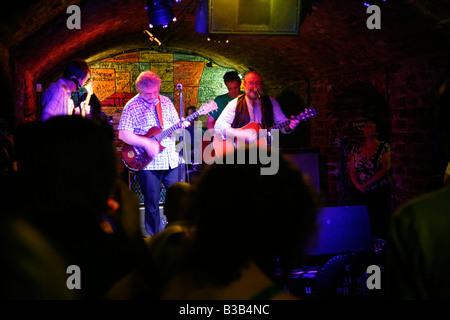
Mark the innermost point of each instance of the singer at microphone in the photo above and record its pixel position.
(258, 96)
(252, 107)
(56, 99)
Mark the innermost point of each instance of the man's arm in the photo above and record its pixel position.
(150, 146)
(55, 102)
(279, 116)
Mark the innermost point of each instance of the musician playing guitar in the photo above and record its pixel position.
(251, 107)
(146, 110)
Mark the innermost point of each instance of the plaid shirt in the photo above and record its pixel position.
(56, 100)
(138, 116)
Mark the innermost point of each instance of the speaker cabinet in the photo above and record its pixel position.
(281, 17)
(341, 230)
(133, 184)
(308, 162)
(337, 257)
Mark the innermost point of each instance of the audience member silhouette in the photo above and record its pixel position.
(167, 248)
(175, 201)
(68, 171)
(248, 227)
(32, 268)
(418, 261)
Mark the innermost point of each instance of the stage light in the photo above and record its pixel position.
(159, 13)
(218, 38)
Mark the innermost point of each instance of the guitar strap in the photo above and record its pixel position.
(159, 112)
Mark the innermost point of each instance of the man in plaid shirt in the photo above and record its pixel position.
(138, 116)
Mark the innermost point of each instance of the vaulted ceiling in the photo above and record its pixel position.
(333, 38)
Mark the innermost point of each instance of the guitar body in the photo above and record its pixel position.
(135, 158)
(208, 152)
(221, 146)
(224, 146)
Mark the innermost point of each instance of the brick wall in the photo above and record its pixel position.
(115, 78)
(403, 94)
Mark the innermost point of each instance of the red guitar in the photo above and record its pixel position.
(135, 158)
(222, 146)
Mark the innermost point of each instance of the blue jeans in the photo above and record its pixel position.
(150, 182)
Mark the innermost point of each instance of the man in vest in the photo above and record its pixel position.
(252, 106)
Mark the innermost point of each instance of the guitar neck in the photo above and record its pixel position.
(284, 123)
(281, 125)
(175, 127)
(301, 116)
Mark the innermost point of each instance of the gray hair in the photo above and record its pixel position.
(147, 79)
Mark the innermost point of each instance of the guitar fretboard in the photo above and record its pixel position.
(176, 126)
(303, 116)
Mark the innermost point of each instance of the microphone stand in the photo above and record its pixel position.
(78, 105)
(343, 151)
(269, 135)
(182, 168)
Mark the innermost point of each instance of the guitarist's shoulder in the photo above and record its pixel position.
(135, 100)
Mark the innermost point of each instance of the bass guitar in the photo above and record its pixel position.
(222, 146)
(135, 158)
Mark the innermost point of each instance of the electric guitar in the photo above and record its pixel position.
(222, 146)
(135, 158)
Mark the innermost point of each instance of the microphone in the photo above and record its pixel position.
(257, 93)
(179, 87)
(75, 81)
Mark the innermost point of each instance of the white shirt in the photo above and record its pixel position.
(227, 116)
(56, 100)
(138, 116)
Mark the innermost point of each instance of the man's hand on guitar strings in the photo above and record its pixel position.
(185, 124)
(151, 147)
(294, 122)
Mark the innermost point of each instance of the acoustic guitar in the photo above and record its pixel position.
(222, 146)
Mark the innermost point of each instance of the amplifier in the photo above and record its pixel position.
(133, 184)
